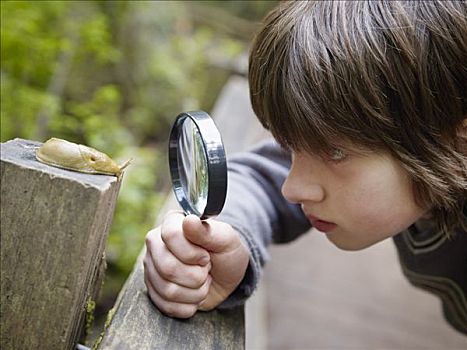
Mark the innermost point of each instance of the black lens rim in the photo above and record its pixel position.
(216, 164)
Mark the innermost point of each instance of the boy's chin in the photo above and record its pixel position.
(351, 245)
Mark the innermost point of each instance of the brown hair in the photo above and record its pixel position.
(385, 75)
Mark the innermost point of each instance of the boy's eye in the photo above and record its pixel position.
(337, 155)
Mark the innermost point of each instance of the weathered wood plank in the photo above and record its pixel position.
(136, 322)
(53, 228)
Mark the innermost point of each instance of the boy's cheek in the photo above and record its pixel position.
(371, 223)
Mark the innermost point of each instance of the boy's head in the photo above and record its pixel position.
(384, 76)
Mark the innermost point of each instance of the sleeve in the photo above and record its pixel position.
(256, 208)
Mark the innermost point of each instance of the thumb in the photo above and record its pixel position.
(212, 235)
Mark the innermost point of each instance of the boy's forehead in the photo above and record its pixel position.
(325, 145)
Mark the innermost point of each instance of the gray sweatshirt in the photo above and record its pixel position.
(256, 208)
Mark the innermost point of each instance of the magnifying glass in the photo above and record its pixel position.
(198, 166)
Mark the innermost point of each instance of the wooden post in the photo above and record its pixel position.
(53, 228)
(135, 323)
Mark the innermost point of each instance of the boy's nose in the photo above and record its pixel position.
(298, 188)
(299, 194)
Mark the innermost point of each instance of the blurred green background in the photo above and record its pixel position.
(113, 75)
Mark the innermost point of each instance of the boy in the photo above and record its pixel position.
(367, 100)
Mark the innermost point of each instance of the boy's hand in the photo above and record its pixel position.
(192, 265)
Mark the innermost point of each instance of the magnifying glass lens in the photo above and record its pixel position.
(197, 164)
(193, 165)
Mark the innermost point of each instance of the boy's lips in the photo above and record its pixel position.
(321, 225)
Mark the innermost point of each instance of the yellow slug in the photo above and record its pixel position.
(68, 155)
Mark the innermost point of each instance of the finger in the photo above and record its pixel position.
(173, 237)
(172, 292)
(214, 236)
(169, 308)
(172, 269)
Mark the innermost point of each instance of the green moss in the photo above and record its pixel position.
(108, 320)
(90, 307)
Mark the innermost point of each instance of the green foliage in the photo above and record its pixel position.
(136, 208)
(252, 10)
